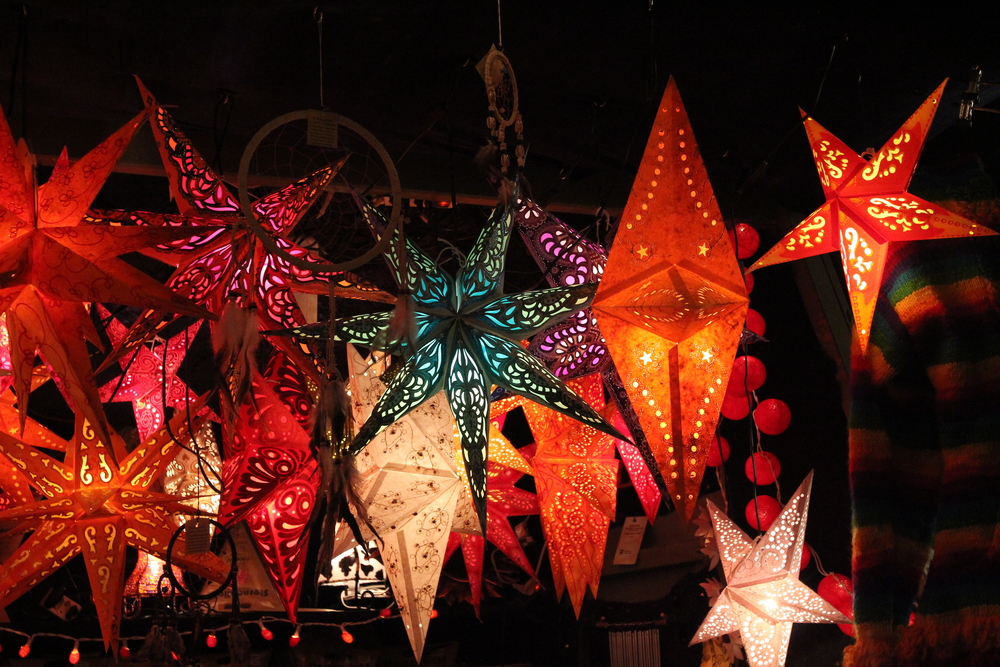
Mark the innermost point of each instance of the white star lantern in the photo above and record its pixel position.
(763, 594)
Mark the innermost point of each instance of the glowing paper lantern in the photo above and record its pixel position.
(772, 416)
(271, 478)
(672, 302)
(755, 321)
(747, 240)
(838, 590)
(96, 506)
(145, 371)
(719, 453)
(762, 468)
(763, 595)
(748, 375)
(868, 206)
(466, 342)
(214, 265)
(735, 406)
(53, 265)
(762, 512)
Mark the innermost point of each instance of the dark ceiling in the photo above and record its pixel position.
(588, 74)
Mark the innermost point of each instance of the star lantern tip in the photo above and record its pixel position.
(672, 302)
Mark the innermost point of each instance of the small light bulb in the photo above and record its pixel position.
(434, 613)
(125, 651)
(294, 640)
(385, 613)
(211, 640)
(347, 637)
(264, 632)
(25, 650)
(74, 655)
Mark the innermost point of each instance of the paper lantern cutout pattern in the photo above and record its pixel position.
(214, 265)
(145, 371)
(271, 479)
(635, 463)
(410, 485)
(763, 595)
(672, 302)
(466, 333)
(573, 347)
(576, 476)
(96, 506)
(195, 471)
(52, 265)
(867, 206)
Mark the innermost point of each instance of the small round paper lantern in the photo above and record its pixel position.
(748, 279)
(772, 416)
(806, 557)
(748, 374)
(747, 240)
(767, 508)
(755, 322)
(838, 590)
(719, 452)
(735, 407)
(763, 468)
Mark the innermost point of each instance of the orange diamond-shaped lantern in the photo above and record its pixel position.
(672, 302)
(867, 206)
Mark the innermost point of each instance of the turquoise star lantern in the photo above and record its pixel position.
(465, 341)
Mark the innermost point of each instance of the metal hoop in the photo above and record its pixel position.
(169, 569)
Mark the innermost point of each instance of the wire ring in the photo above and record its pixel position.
(169, 569)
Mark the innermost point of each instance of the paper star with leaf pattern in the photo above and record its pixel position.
(232, 260)
(98, 500)
(466, 341)
(51, 265)
(763, 595)
(867, 207)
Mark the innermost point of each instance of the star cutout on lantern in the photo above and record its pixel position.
(96, 506)
(52, 264)
(144, 372)
(763, 595)
(703, 250)
(674, 304)
(867, 207)
(466, 333)
(271, 479)
(215, 265)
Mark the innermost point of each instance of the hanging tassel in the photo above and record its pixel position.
(154, 649)
(175, 644)
(236, 637)
(235, 339)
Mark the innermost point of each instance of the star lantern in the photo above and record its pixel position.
(98, 500)
(145, 371)
(505, 466)
(867, 207)
(271, 479)
(52, 265)
(466, 333)
(576, 477)
(672, 302)
(763, 595)
(215, 265)
(410, 485)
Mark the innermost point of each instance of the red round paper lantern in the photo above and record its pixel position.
(719, 452)
(755, 322)
(806, 557)
(748, 374)
(763, 468)
(772, 416)
(735, 407)
(747, 240)
(839, 592)
(748, 279)
(766, 508)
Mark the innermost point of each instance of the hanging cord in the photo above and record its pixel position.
(20, 65)
(499, 28)
(318, 18)
(225, 98)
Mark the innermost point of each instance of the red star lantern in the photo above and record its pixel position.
(96, 506)
(51, 265)
(145, 372)
(672, 302)
(867, 207)
(271, 479)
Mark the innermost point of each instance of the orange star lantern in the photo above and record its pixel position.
(867, 207)
(672, 302)
(96, 506)
(51, 265)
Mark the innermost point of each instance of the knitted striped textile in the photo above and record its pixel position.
(925, 461)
